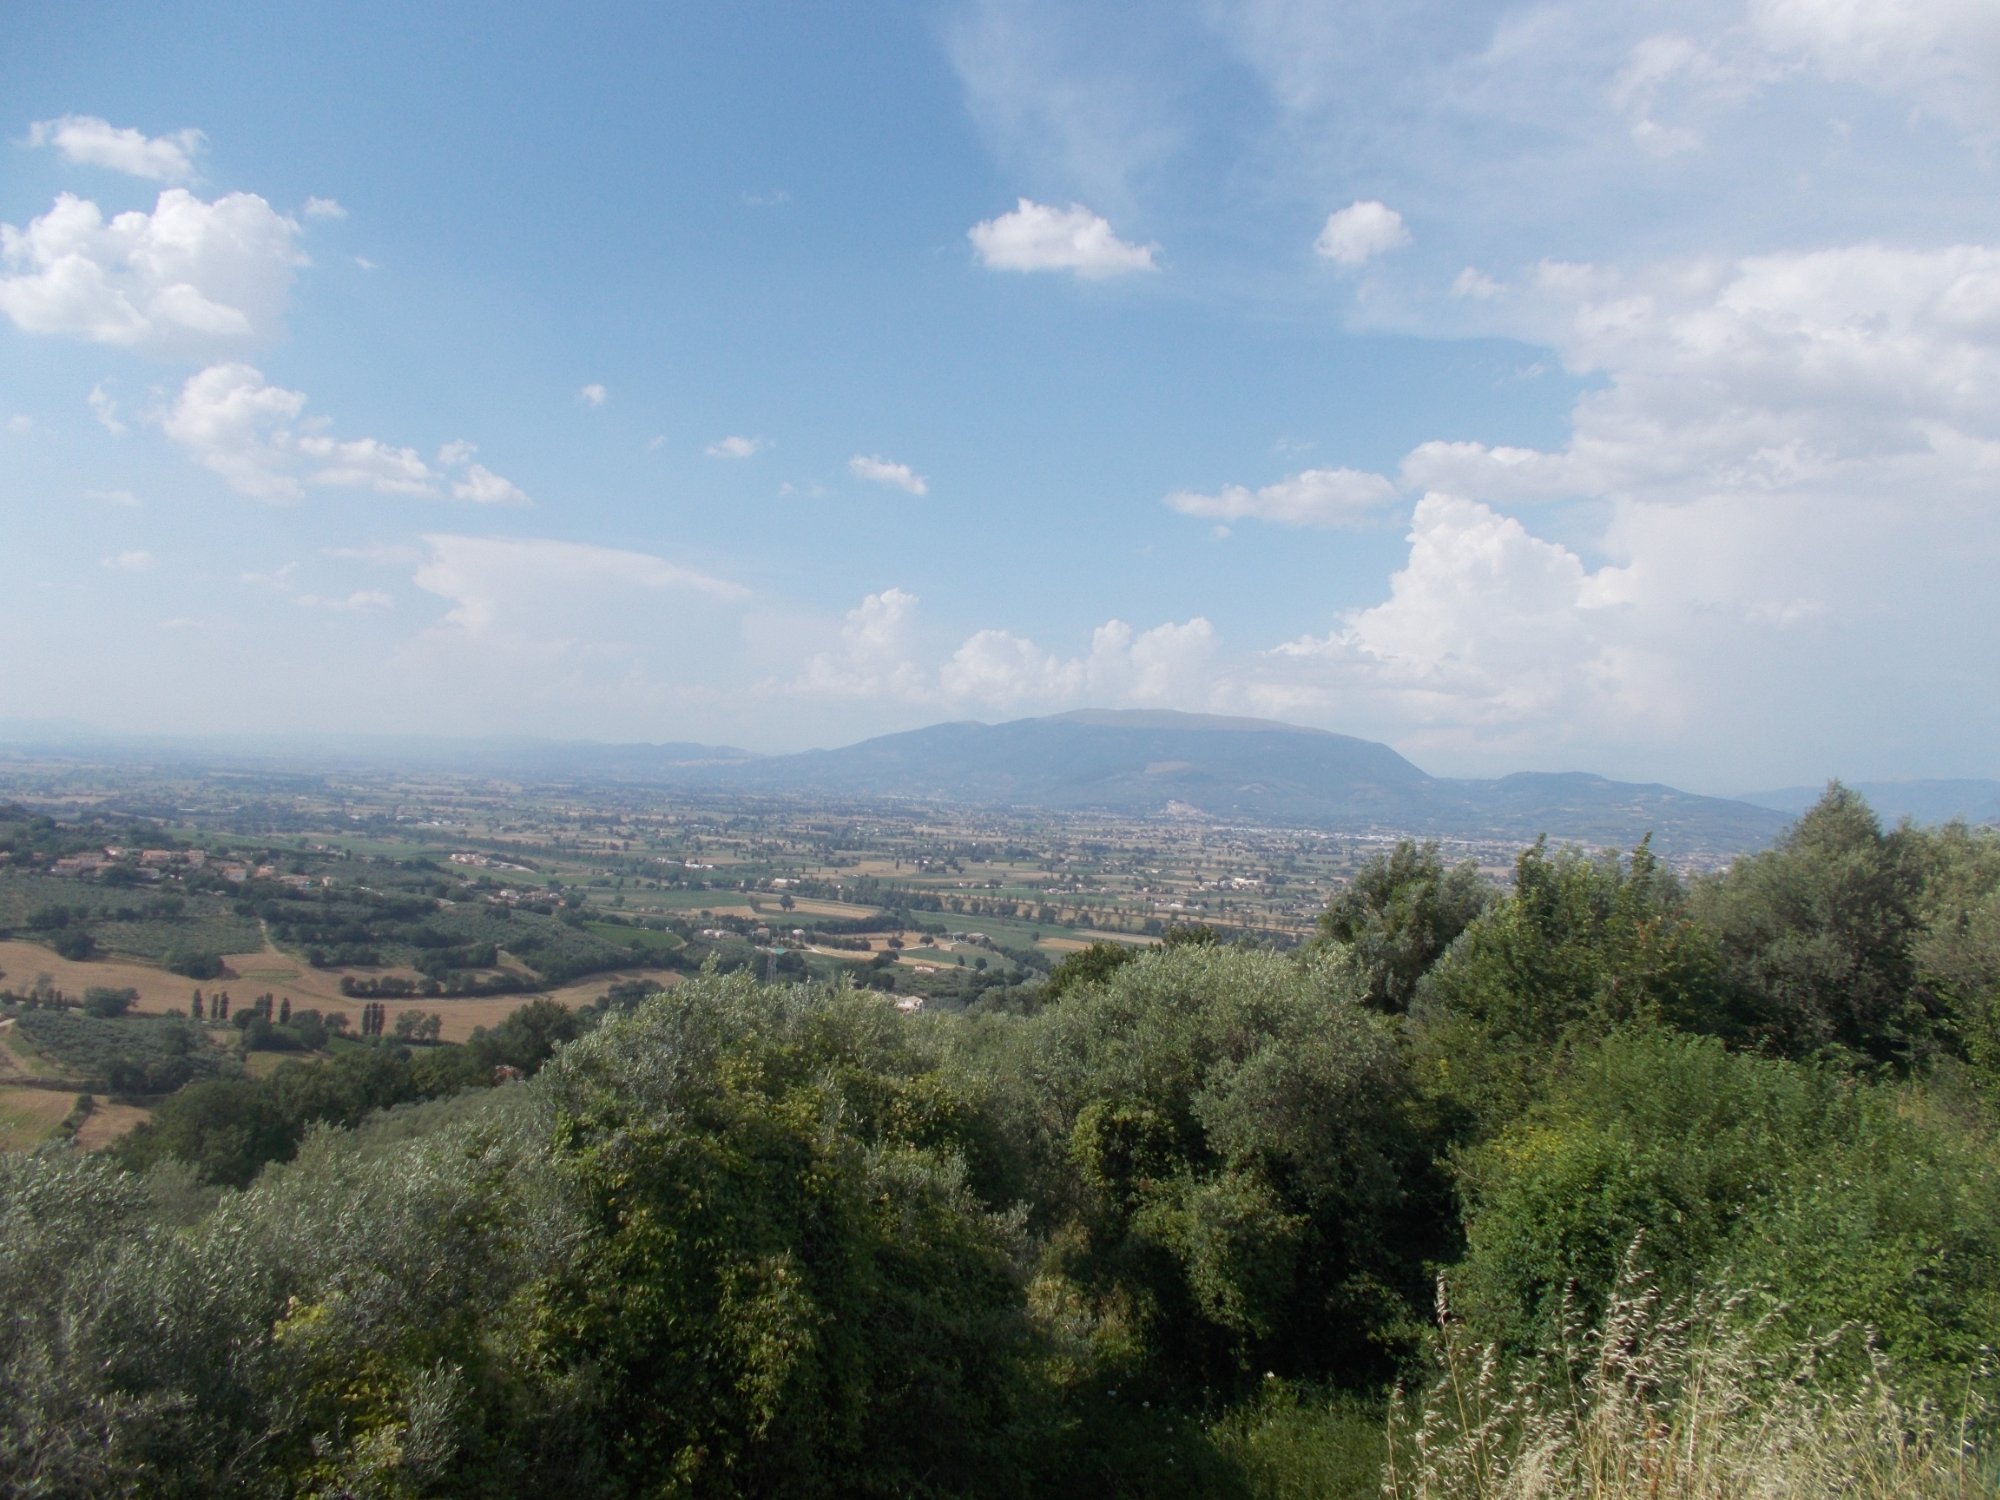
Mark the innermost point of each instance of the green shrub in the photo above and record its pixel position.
(106, 1003)
(194, 964)
(1848, 1202)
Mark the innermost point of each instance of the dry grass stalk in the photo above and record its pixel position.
(1670, 1400)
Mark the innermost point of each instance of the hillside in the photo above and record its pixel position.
(1141, 764)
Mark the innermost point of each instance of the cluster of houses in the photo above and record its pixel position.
(486, 862)
(158, 864)
(155, 861)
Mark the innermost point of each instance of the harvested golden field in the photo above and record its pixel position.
(463, 1017)
(853, 956)
(876, 867)
(107, 1123)
(158, 990)
(248, 975)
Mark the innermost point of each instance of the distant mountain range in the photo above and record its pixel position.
(1130, 763)
(1197, 766)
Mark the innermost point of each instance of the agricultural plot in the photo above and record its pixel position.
(30, 1116)
(642, 939)
(23, 963)
(107, 1122)
(143, 922)
(130, 1055)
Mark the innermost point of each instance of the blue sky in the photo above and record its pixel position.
(1530, 386)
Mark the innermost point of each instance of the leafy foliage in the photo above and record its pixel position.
(1404, 909)
(1844, 1203)
(1228, 1173)
(1816, 936)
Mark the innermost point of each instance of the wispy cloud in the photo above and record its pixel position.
(105, 409)
(361, 601)
(1316, 497)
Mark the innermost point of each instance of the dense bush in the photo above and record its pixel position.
(194, 964)
(108, 1003)
(1220, 1148)
(1842, 1201)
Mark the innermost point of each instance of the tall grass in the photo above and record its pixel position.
(1673, 1400)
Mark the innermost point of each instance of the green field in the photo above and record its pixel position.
(643, 938)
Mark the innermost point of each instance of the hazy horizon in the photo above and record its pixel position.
(79, 737)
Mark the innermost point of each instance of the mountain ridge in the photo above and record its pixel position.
(1152, 763)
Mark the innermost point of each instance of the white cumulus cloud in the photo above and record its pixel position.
(735, 447)
(323, 208)
(89, 141)
(1360, 232)
(1316, 497)
(1038, 237)
(365, 464)
(137, 561)
(881, 471)
(1168, 664)
(873, 658)
(234, 423)
(1486, 626)
(592, 395)
(185, 279)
